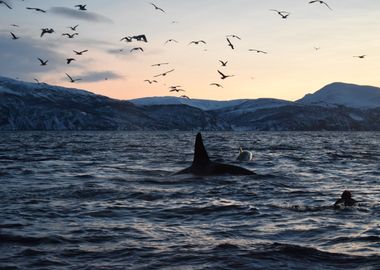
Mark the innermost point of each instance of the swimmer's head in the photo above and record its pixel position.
(346, 195)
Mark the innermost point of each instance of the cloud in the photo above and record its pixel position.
(97, 76)
(19, 57)
(81, 15)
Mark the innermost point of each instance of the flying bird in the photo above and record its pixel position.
(140, 38)
(159, 64)
(71, 79)
(81, 7)
(317, 48)
(127, 39)
(136, 49)
(38, 82)
(150, 81)
(165, 73)
(258, 51)
(283, 14)
(216, 84)
(176, 90)
(74, 28)
(70, 35)
(234, 36)
(171, 40)
(36, 9)
(46, 31)
(196, 42)
(360, 56)
(224, 76)
(321, 2)
(223, 63)
(184, 96)
(14, 36)
(6, 4)
(157, 8)
(15, 25)
(230, 44)
(80, 53)
(43, 63)
(69, 60)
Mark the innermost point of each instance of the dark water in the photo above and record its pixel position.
(106, 200)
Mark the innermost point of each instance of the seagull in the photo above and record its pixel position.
(38, 82)
(6, 4)
(165, 73)
(283, 14)
(80, 53)
(196, 42)
(74, 28)
(69, 60)
(127, 39)
(150, 81)
(157, 8)
(71, 79)
(230, 44)
(321, 2)
(223, 63)
(258, 51)
(15, 25)
(216, 84)
(36, 9)
(176, 90)
(137, 48)
(224, 76)
(46, 31)
(159, 64)
(140, 38)
(234, 36)
(70, 35)
(81, 7)
(171, 40)
(43, 63)
(14, 36)
(317, 48)
(360, 56)
(184, 96)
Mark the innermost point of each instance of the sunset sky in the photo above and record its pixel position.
(291, 69)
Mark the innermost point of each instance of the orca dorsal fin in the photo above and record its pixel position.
(200, 153)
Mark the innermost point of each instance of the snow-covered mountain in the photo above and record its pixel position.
(349, 95)
(32, 106)
(202, 104)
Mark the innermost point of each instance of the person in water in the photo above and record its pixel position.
(346, 199)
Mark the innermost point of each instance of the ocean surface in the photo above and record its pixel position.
(107, 200)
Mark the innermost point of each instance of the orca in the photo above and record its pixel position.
(203, 166)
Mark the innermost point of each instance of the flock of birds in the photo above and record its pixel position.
(230, 39)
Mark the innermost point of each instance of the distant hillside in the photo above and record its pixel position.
(338, 107)
(349, 95)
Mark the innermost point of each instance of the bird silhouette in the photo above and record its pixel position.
(71, 79)
(38, 82)
(360, 56)
(70, 35)
(196, 42)
(258, 51)
(223, 63)
(80, 53)
(230, 44)
(36, 9)
(165, 73)
(159, 64)
(69, 60)
(74, 28)
(317, 48)
(81, 7)
(216, 84)
(224, 76)
(234, 36)
(46, 31)
(43, 63)
(321, 2)
(283, 14)
(127, 39)
(6, 4)
(176, 90)
(140, 38)
(15, 25)
(157, 8)
(184, 96)
(150, 81)
(171, 40)
(14, 37)
(136, 49)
